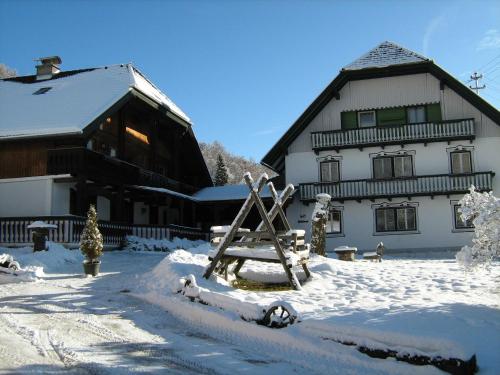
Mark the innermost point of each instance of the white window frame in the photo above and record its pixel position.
(374, 119)
(455, 229)
(329, 158)
(414, 107)
(411, 153)
(459, 148)
(339, 209)
(413, 205)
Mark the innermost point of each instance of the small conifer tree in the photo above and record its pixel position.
(319, 220)
(91, 243)
(221, 176)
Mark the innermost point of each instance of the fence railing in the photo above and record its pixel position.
(409, 186)
(423, 132)
(13, 230)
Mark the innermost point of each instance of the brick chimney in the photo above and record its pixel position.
(48, 67)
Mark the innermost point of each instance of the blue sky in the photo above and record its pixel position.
(245, 70)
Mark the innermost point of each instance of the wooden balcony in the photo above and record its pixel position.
(79, 161)
(429, 185)
(401, 134)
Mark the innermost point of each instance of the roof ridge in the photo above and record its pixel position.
(385, 54)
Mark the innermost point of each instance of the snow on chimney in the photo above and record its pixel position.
(49, 66)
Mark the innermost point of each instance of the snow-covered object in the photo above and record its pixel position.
(484, 210)
(342, 249)
(91, 242)
(72, 102)
(318, 221)
(135, 243)
(41, 225)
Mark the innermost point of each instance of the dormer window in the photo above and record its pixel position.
(42, 90)
(367, 119)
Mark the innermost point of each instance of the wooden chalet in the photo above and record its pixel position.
(105, 136)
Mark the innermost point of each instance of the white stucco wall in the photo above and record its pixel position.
(392, 92)
(30, 196)
(61, 198)
(434, 224)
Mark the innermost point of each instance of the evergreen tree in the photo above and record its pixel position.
(221, 176)
(91, 243)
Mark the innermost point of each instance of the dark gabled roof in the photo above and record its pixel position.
(274, 158)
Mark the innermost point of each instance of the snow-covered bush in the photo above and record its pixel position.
(484, 211)
(319, 219)
(91, 243)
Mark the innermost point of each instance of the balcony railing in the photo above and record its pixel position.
(94, 165)
(400, 187)
(410, 133)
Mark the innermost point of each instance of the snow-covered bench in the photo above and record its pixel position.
(375, 255)
(257, 245)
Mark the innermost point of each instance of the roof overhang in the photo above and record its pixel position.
(275, 158)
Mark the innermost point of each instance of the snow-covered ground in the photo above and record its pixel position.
(425, 307)
(129, 319)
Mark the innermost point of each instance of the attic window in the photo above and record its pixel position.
(42, 90)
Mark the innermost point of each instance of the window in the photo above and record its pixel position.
(366, 119)
(392, 166)
(416, 114)
(461, 162)
(395, 219)
(42, 90)
(329, 171)
(458, 221)
(334, 223)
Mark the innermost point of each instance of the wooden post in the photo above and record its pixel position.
(238, 221)
(285, 194)
(279, 250)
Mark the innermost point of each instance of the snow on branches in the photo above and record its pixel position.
(91, 243)
(319, 219)
(484, 211)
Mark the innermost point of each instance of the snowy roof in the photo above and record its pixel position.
(227, 193)
(74, 100)
(386, 54)
(211, 194)
(164, 191)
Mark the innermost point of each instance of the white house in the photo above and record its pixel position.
(396, 141)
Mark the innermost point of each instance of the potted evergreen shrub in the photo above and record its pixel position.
(91, 244)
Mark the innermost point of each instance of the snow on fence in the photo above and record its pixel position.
(14, 231)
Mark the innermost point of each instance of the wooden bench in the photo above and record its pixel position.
(257, 245)
(375, 255)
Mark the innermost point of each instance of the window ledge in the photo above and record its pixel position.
(400, 233)
(333, 235)
(462, 230)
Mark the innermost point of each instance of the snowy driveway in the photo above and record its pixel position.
(71, 324)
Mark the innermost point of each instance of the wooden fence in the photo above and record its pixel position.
(14, 231)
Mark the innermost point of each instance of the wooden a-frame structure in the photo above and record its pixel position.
(265, 234)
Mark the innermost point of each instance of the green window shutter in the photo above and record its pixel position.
(391, 116)
(434, 112)
(349, 120)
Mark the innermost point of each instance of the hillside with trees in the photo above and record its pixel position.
(236, 166)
